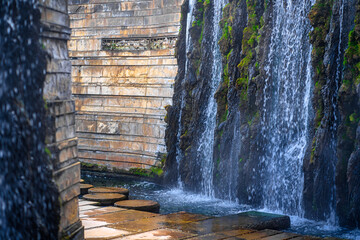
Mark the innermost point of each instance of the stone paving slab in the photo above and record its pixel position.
(98, 211)
(122, 216)
(89, 207)
(105, 223)
(83, 202)
(103, 233)
(281, 236)
(158, 234)
(162, 221)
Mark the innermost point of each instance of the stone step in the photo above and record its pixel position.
(141, 205)
(84, 188)
(105, 198)
(123, 191)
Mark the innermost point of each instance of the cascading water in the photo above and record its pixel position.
(205, 139)
(286, 108)
(179, 154)
(332, 219)
(206, 142)
(28, 198)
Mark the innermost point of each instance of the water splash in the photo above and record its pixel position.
(286, 108)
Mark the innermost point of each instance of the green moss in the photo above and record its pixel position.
(140, 172)
(185, 134)
(206, 3)
(251, 38)
(254, 118)
(320, 16)
(157, 171)
(94, 167)
(225, 115)
(47, 151)
(45, 104)
(348, 97)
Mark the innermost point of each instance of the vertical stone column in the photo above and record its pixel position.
(60, 137)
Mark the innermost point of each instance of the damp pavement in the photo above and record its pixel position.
(116, 223)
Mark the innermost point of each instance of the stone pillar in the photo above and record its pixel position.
(60, 136)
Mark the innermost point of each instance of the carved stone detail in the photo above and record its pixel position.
(138, 44)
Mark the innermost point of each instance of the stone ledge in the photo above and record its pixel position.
(100, 54)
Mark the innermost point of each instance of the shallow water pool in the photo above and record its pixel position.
(176, 200)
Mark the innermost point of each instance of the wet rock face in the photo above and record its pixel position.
(330, 165)
(28, 197)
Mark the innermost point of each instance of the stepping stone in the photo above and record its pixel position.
(105, 198)
(141, 205)
(84, 188)
(246, 220)
(123, 191)
(82, 180)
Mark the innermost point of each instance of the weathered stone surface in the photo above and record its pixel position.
(182, 225)
(105, 198)
(123, 191)
(60, 133)
(98, 211)
(122, 79)
(104, 233)
(160, 234)
(247, 220)
(162, 221)
(141, 205)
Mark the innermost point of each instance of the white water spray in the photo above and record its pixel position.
(287, 95)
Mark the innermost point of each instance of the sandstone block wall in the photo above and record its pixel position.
(60, 135)
(123, 70)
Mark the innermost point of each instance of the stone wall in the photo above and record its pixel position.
(60, 136)
(123, 70)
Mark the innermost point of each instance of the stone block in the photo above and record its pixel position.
(52, 16)
(69, 213)
(67, 177)
(68, 153)
(59, 5)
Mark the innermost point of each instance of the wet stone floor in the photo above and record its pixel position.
(117, 223)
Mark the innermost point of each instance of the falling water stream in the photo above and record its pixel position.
(28, 198)
(332, 219)
(286, 108)
(286, 111)
(206, 142)
(179, 153)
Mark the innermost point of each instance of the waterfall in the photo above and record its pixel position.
(332, 219)
(206, 142)
(28, 197)
(179, 153)
(286, 107)
(204, 156)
